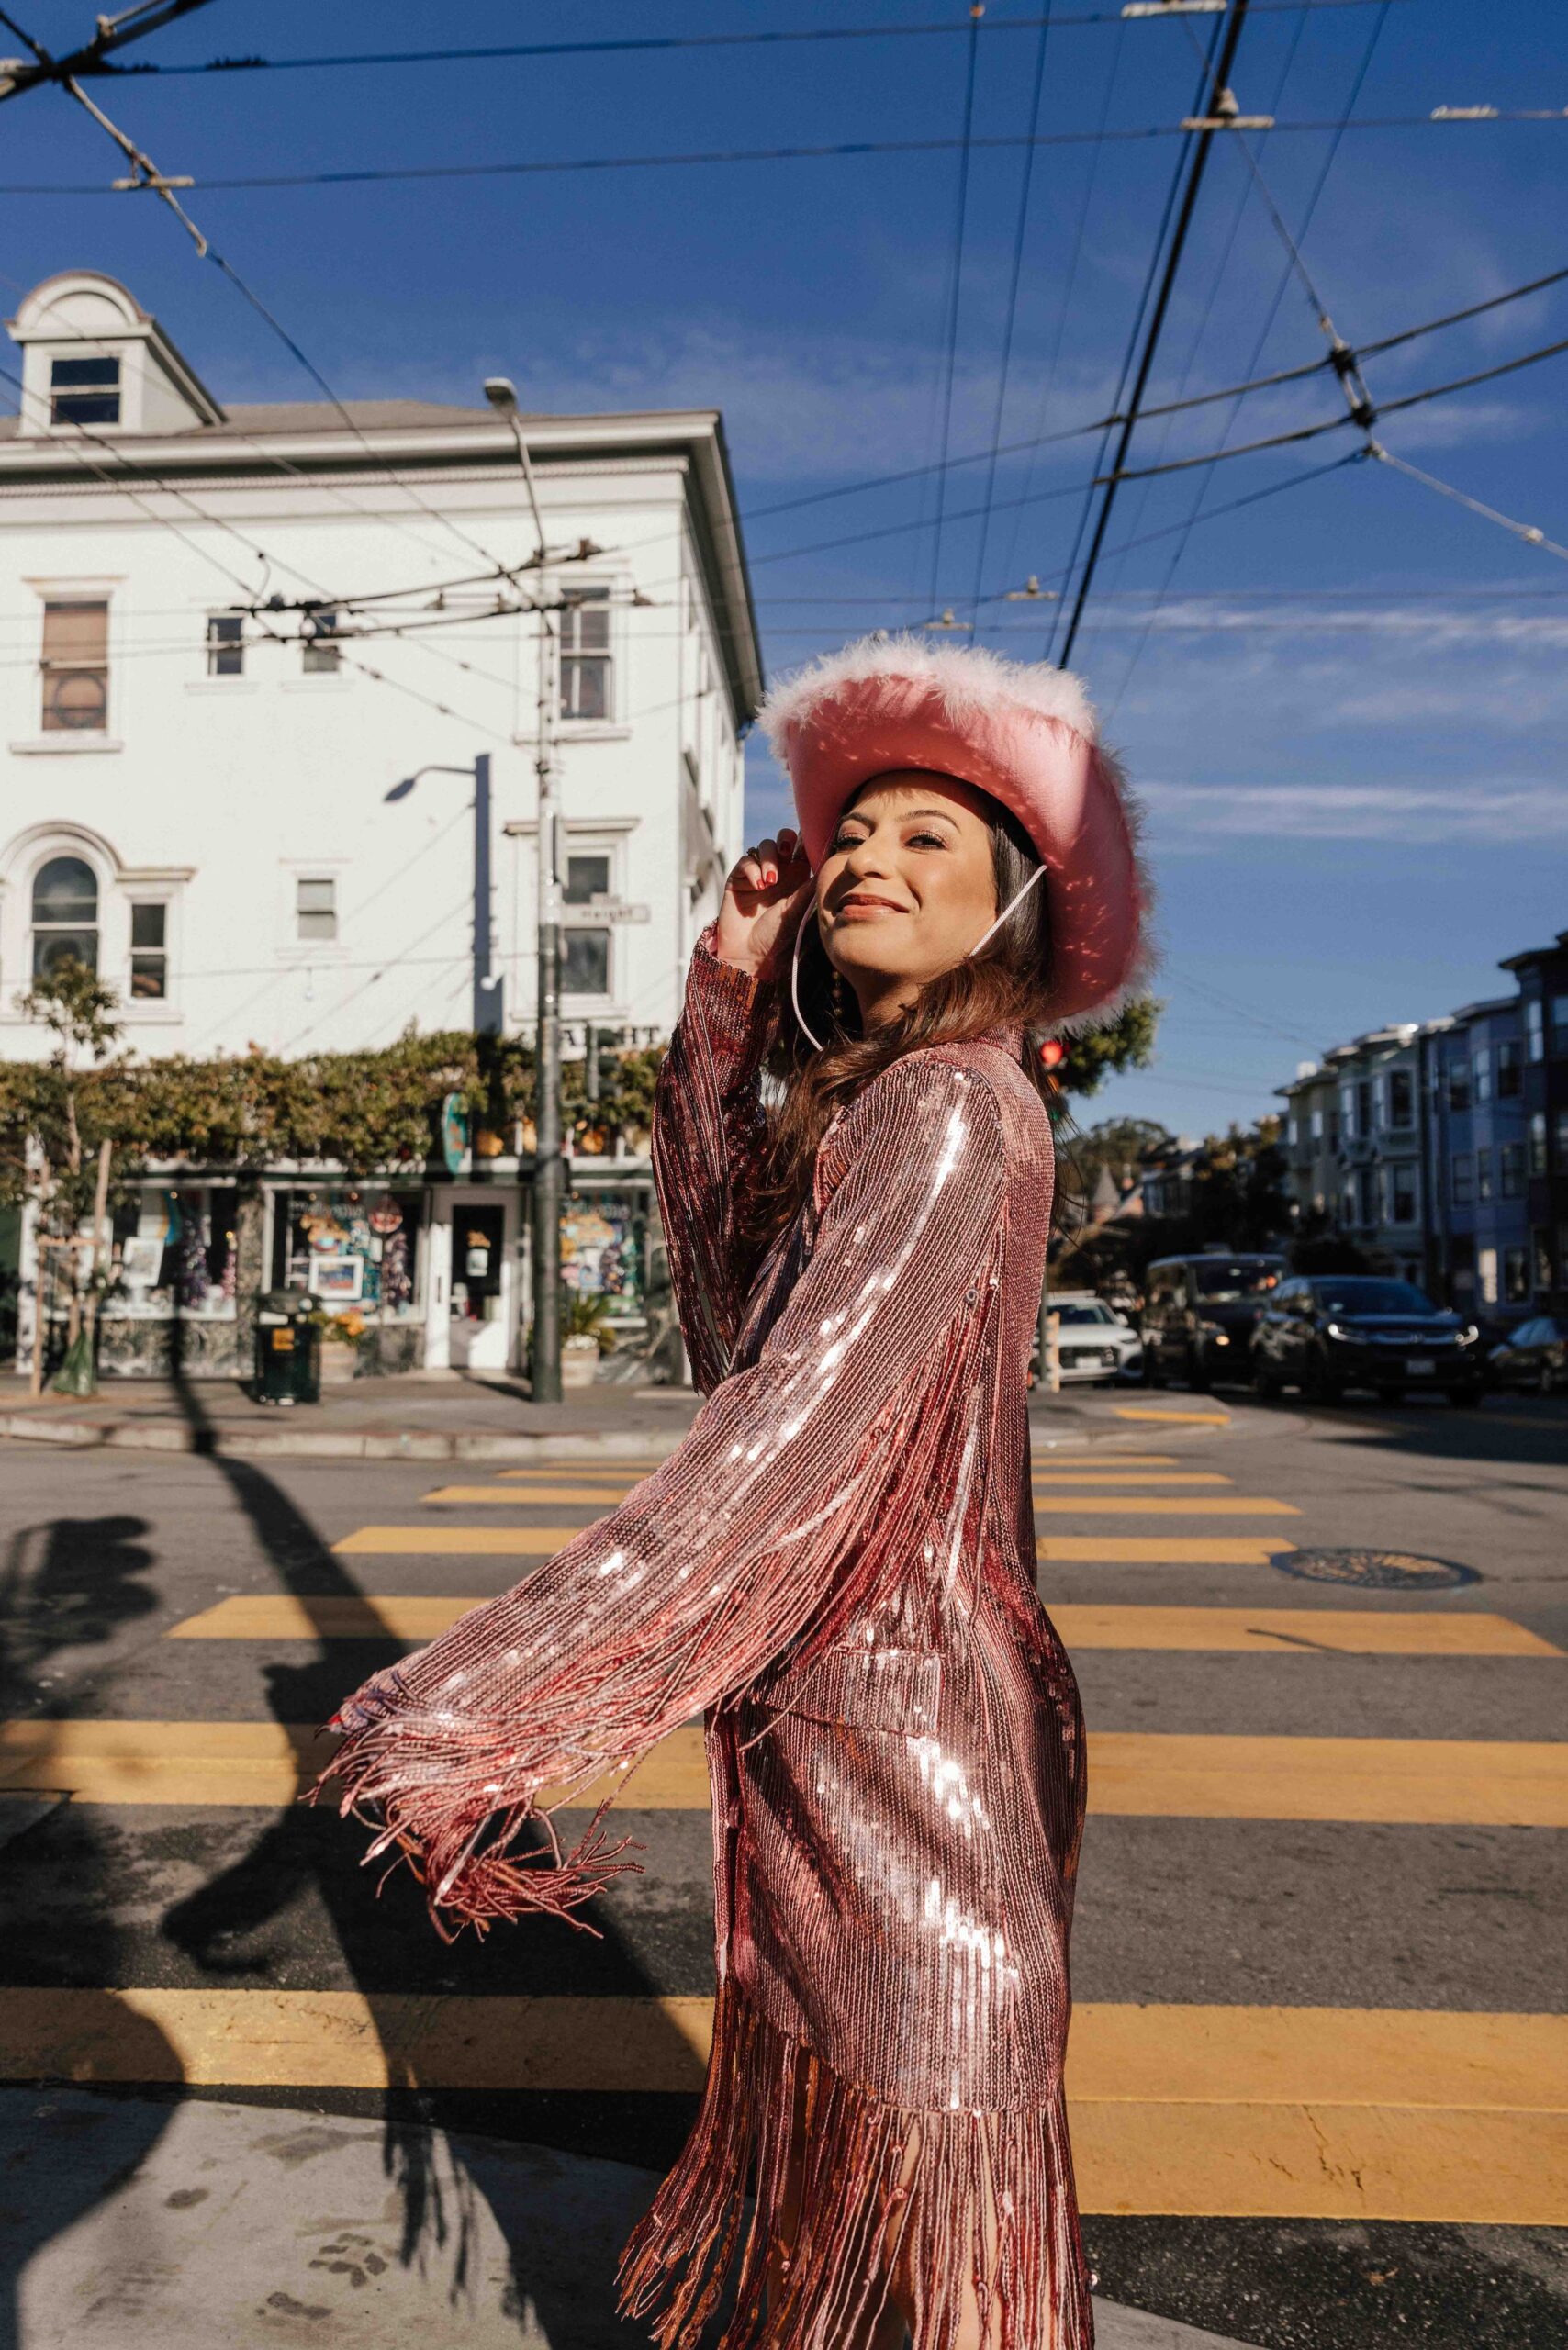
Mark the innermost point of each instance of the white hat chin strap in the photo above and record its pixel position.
(1018, 898)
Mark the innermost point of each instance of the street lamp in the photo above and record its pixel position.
(549, 1175)
(488, 989)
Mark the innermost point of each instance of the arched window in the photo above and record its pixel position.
(65, 917)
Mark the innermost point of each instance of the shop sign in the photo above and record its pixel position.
(455, 1134)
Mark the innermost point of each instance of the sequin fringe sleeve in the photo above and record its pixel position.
(717, 1561)
(708, 1129)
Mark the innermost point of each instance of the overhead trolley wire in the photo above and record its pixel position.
(1293, 263)
(494, 52)
(1467, 118)
(956, 291)
(1337, 423)
(1070, 286)
(1192, 162)
(1005, 368)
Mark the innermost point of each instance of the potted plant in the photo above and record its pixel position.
(341, 1335)
(586, 1335)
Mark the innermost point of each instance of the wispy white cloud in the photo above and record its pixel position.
(1333, 812)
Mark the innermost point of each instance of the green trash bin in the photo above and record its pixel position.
(289, 1349)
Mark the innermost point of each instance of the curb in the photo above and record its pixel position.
(406, 1444)
(328, 1444)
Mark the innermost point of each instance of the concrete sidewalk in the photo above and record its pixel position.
(435, 1416)
(140, 2226)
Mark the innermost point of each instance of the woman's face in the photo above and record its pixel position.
(907, 886)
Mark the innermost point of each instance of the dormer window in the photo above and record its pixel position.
(83, 391)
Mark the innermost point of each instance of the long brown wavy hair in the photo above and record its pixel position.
(1007, 983)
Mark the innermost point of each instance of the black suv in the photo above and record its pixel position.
(1198, 1314)
(1338, 1330)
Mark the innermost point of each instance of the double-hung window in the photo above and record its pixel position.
(585, 949)
(586, 682)
(316, 907)
(148, 951)
(225, 644)
(76, 664)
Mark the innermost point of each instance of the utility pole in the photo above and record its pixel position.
(549, 1172)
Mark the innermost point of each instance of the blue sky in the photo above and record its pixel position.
(1345, 704)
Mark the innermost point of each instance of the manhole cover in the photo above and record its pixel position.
(1376, 1569)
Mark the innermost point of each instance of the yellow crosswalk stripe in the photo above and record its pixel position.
(1048, 1479)
(445, 1540)
(1132, 1774)
(436, 1541)
(562, 1496)
(1305, 2112)
(1167, 1550)
(622, 1473)
(565, 1496)
(1167, 1505)
(1279, 1631)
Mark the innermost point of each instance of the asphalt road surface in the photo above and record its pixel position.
(1317, 2066)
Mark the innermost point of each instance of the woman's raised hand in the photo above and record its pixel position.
(764, 898)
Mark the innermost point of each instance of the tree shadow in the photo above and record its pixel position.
(305, 1855)
(66, 1585)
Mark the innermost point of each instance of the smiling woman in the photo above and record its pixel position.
(836, 1568)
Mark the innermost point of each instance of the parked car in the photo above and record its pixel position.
(1198, 1315)
(1093, 1342)
(1534, 1354)
(1342, 1330)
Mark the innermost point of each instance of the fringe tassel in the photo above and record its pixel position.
(962, 2206)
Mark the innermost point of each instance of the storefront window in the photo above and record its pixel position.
(604, 1250)
(174, 1251)
(354, 1247)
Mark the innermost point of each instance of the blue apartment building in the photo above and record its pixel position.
(1478, 1233)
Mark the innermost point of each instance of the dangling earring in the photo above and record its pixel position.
(838, 997)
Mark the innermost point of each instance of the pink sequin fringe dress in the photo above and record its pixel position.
(837, 1569)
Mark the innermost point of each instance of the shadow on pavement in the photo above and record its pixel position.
(440, 2201)
(65, 1585)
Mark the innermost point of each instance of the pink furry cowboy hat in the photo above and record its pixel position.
(1024, 732)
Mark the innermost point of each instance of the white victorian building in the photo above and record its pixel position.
(228, 631)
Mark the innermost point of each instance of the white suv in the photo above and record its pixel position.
(1093, 1342)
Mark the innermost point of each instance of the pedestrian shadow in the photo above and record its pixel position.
(306, 1855)
(67, 1585)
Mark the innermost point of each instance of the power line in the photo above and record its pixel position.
(1465, 117)
(1019, 235)
(1337, 423)
(1264, 331)
(112, 33)
(1148, 413)
(950, 357)
(1133, 332)
(497, 52)
(1205, 139)
(1069, 284)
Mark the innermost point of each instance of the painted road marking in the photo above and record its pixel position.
(520, 1495)
(625, 1473)
(1143, 1774)
(1159, 1411)
(1279, 1631)
(1167, 1550)
(1046, 1478)
(1169, 1505)
(1306, 2112)
(565, 1496)
(437, 1541)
